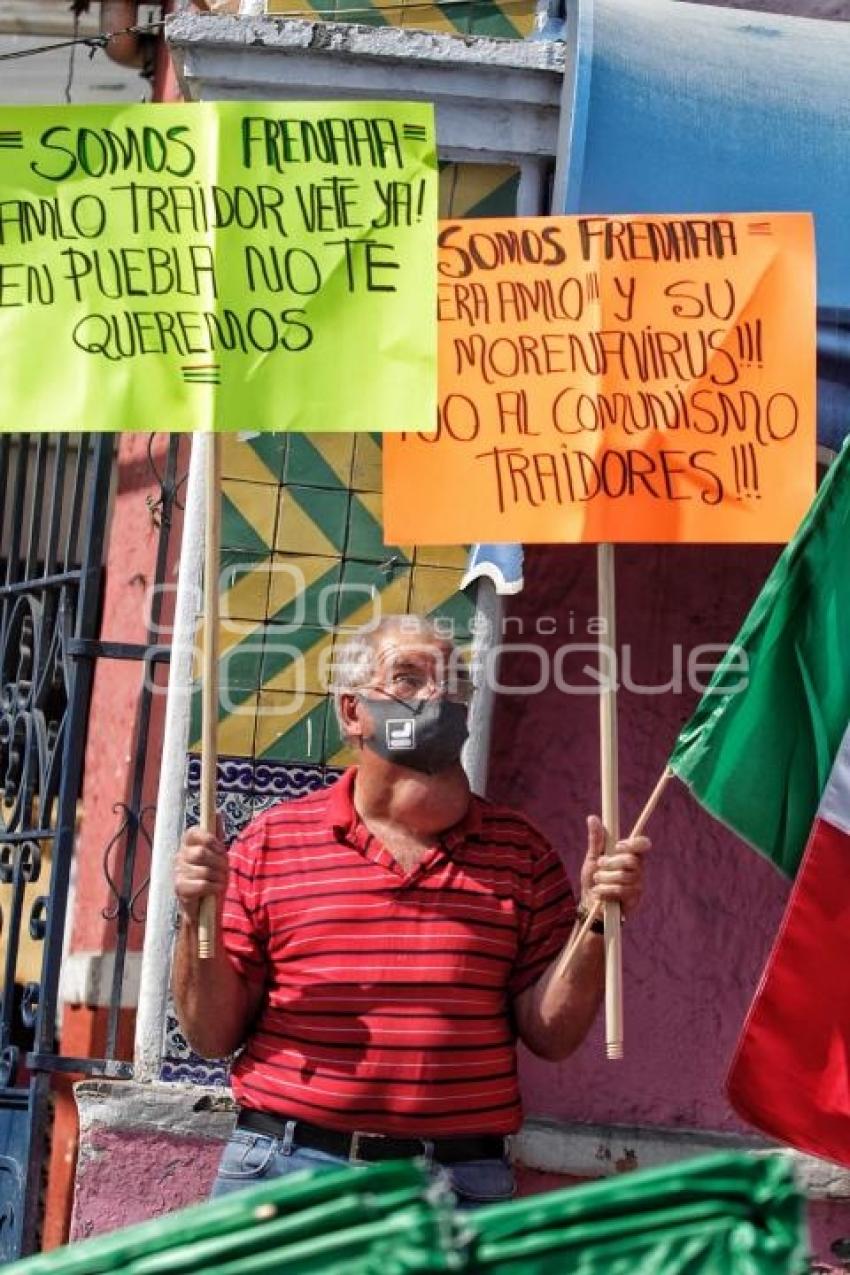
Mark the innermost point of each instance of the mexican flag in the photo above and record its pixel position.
(768, 753)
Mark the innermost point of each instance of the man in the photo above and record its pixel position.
(383, 942)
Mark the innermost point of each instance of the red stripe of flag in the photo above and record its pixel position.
(790, 1076)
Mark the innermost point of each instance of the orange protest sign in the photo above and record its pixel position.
(616, 379)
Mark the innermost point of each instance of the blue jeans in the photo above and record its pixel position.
(250, 1158)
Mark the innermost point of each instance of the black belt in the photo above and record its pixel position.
(373, 1146)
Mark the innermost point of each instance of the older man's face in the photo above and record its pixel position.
(411, 666)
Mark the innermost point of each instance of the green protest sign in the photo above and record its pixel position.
(218, 266)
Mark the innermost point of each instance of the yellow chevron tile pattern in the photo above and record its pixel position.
(236, 730)
(291, 727)
(300, 533)
(477, 190)
(508, 19)
(303, 561)
(453, 556)
(303, 589)
(252, 514)
(366, 470)
(243, 463)
(245, 587)
(298, 672)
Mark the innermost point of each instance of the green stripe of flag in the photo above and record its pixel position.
(759, 749)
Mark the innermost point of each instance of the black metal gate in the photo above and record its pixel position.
(54, 498)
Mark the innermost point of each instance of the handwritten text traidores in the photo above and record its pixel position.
(623, 379)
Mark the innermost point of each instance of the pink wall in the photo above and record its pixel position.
(170, 1173)
(130, 571)
(693, 954)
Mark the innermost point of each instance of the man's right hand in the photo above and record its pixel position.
(215, 1004)
(200, 869)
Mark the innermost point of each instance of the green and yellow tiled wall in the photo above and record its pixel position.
(505, 19)
(303, 557)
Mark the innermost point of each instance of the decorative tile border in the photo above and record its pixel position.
(247, 787)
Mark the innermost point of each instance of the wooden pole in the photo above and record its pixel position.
(209, 677)
(652, 801)
(568, 955)
(607, 611)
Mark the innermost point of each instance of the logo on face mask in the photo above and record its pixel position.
(401, 733)
(428, 737)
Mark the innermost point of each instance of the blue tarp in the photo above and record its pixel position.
(692, 108)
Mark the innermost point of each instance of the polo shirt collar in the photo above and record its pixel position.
(341, 810)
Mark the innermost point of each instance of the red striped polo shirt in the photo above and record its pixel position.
(388, 993)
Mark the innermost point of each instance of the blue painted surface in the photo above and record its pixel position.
(16, 1122)
(690, 108)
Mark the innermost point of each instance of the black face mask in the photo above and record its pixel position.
(425, 735)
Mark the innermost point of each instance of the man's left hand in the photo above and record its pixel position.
(616, 877)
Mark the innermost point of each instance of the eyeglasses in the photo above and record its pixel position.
(408, 684)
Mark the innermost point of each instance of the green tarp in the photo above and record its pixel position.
(718, 1215)
(382, 1220)
(729, 1214)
